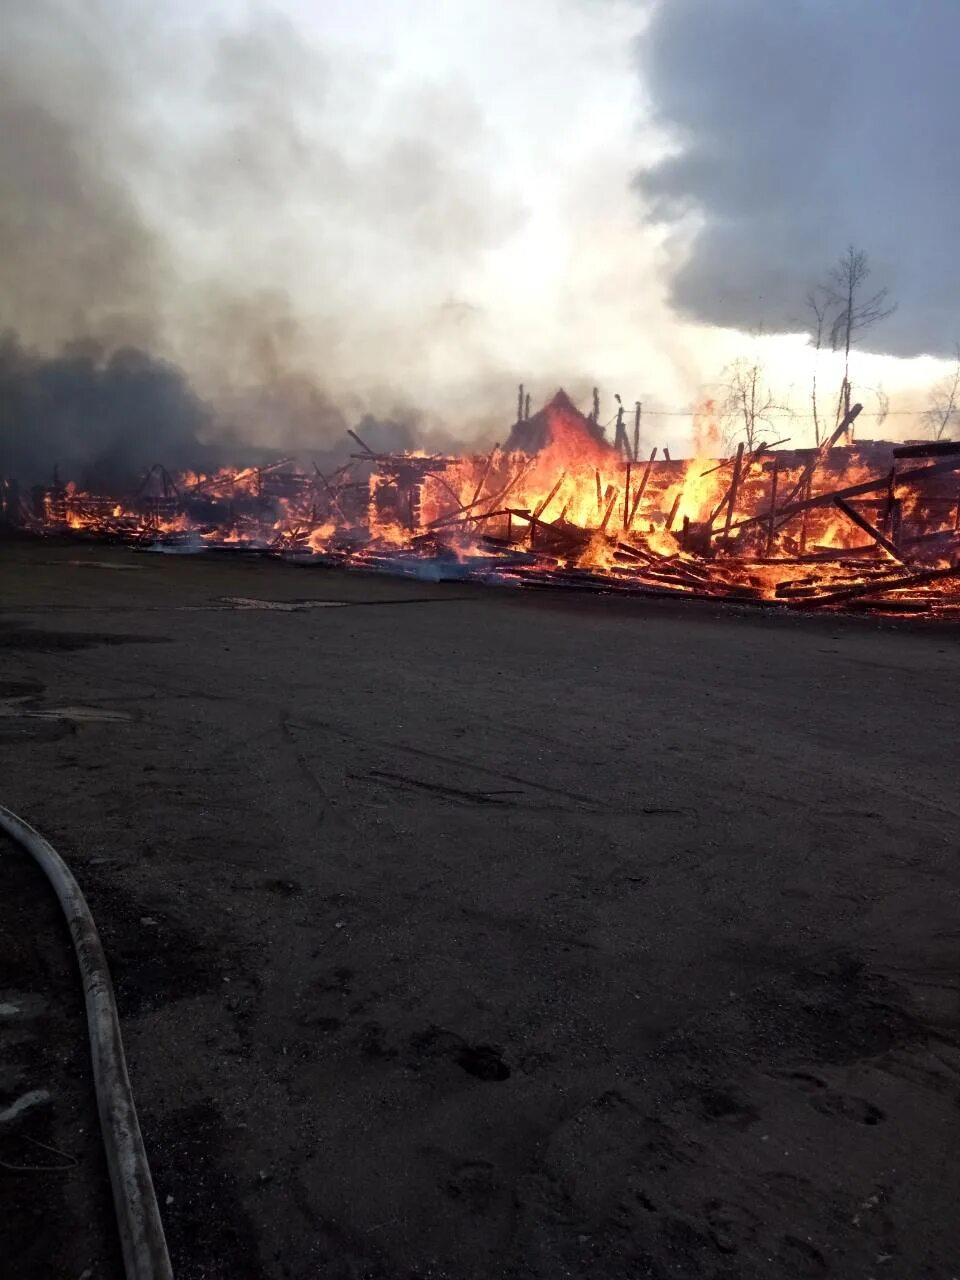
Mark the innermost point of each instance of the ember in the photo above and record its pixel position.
(872, 526)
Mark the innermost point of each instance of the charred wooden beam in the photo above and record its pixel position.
(804, 518)
(620, 433)
(453, 517)
(673, 511)
(334, 499)
(362, 443)
(731, 495)
(882, 587)
(641, 486)
(771, 529)
(542, 506)
(915, 475)
(863, 523)
(821, 452)
(933, 449)
(610, 497)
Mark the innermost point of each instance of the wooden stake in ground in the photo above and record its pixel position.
(636, 431)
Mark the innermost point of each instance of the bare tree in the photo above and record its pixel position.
(852, 311)
(883, 405)
(819, 307)
(749, 407)
(943, 411)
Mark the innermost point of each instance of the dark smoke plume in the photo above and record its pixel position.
(801, 128)
(100, 419)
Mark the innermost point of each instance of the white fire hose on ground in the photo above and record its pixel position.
(142, 1241)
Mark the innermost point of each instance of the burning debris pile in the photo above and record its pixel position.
(871, 526)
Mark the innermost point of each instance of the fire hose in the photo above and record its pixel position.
(142, 1241)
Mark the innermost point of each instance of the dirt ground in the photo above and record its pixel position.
(469, 933)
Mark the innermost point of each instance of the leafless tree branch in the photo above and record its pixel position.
(748, 407)
(943, 411)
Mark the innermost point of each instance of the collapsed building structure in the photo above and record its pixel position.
(872, 524)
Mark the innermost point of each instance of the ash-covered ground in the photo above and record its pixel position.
(467, 933)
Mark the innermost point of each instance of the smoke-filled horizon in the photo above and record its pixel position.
(312, 216)
(298, 214)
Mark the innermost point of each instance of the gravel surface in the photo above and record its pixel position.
(469, 933)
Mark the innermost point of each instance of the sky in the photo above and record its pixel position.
(319, 209)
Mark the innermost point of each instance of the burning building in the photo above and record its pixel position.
(871, 525)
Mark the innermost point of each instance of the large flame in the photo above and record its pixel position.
(559, 497)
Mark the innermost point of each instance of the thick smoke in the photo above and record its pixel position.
(801, 128)
(98, 418)
(178, 181)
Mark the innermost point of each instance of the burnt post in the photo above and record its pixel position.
(637, 413)
(620, 438)
(673, 510)
(771, 528)
(596, 406)
(803, 518)
(520, 403)
(734, 486)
